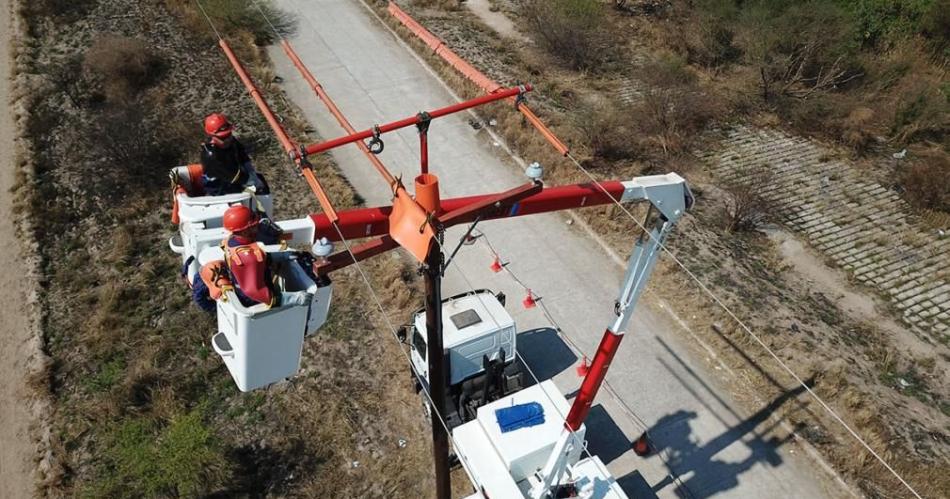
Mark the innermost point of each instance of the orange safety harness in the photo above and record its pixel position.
(216, 278)
(248, 266)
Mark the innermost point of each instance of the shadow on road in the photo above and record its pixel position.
(604, 438)
(634, 485)
(545, 352)
(701, 473)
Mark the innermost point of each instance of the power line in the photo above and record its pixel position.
(702, 286)
(208, 18)
(432, 406)
(395, 335)
(379, 305)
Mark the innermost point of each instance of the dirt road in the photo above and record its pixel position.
(15, 447)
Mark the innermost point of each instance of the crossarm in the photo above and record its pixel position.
(415, 120)
(369, 222)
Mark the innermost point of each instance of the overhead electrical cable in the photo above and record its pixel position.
(707, 291)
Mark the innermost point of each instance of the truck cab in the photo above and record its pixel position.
(479, 340)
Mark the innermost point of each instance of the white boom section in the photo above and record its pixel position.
(536, 461)
(670, 196)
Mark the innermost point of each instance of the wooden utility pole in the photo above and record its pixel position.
(436, 355)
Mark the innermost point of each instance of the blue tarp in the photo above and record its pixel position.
(519, 416)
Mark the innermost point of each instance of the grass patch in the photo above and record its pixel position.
(181, 458)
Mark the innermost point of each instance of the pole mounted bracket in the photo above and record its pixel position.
(302, 159)
(425, 119)
(521, 98)
(376, 144)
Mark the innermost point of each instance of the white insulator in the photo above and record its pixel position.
(534, 171)
(322, 248)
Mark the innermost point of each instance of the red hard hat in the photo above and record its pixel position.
(238, 218)
(217, 125)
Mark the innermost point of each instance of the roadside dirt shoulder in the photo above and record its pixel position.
(16, 339)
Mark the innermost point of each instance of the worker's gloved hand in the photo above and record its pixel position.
(295, 298)
(255, 179)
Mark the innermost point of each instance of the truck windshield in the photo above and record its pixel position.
(419, 343)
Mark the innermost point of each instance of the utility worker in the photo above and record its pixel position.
(247, 269)
(227, 167)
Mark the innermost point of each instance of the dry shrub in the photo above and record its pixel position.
(123, 66)
(936, 27)
(705, 38)
(674, 109)
(745, 206)
(608, 129)
(857, 129)
(922, 114)
(927, 183)
(665, 123)
(573, 31)
(62, 10)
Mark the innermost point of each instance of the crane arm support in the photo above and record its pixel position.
(484, 207)
(356, 254)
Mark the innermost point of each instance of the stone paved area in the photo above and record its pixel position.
(864, 227)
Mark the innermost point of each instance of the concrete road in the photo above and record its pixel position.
(710, 445)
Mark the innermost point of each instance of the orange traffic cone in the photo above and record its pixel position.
(642, 446)
(496, 266)
(583, 368)
(529, 300)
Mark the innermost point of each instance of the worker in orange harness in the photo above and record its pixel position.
(226, 164)
(247, 269)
